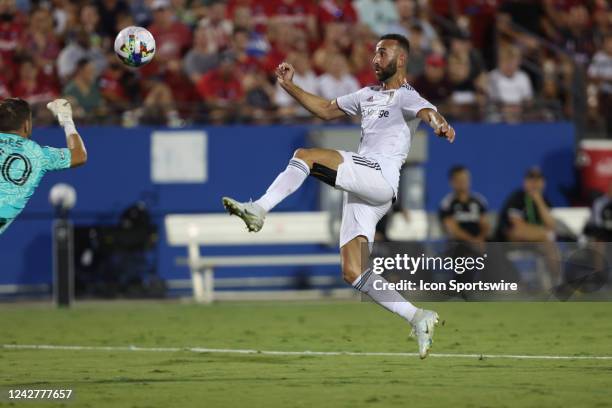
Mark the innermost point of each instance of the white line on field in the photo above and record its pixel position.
(289, 353)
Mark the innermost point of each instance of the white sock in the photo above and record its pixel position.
(391, 300)
(285, 184)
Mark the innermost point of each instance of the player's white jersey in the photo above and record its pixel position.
(388, 121)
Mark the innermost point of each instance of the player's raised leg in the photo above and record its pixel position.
(320, 163)
(422, 321)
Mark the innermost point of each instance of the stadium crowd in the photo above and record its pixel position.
(491, 60)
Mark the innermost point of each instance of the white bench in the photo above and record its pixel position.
(193, 231)
(574, 218)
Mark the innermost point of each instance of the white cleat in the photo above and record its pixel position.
(252, 214)
(423, 325)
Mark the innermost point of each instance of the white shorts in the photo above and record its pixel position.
(367, 196)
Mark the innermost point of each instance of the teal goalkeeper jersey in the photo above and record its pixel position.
(23, 163)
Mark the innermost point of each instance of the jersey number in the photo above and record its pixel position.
(9, 162)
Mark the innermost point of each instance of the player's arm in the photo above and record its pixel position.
(320, 107)
(63, 112)
(455, 231)
(485, 227)
(438, 123)
(547, 218)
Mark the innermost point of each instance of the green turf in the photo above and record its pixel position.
(187, 379)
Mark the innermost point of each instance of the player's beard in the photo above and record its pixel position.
(387, 72)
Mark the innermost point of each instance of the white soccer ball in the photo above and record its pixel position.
(135, 46)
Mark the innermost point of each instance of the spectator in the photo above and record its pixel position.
(258, 45)
(119, 86)
(305, 78)
(240, 43)
(222, 92)
(599, 226)
(297, 13)
(259, 98)
(407, 18)
(578, 34)
(183, 13)
(509, 87)
(90, 23)
(377, 14)
(172, 37)
(255, 11)
(78, 49)
(40, 40)
(336, 41)
(337, 80)
(219, 28)
(600, 76)
(280, 36)
(199, 60)
(109, 11)
(433, 85)
(526, 218)
(33, 86)
(11, 28)
(84, 94)
(463, 214)
(361, 55)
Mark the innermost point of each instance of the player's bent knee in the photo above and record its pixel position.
(302, 154)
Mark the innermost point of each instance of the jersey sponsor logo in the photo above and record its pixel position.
(383, 113)
(8, 164)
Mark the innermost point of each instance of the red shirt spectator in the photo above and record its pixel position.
(172, 38)
(221, 85)
(11, 29)
(33, 86)
(298, 13)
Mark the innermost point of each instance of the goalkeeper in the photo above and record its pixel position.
(23, 162)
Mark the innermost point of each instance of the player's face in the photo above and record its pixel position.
(461, 182)
(385, 59)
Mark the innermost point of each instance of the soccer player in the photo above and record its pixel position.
(23, 162)
(390, 114)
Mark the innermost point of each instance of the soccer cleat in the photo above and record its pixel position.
(251, 213)
(423, 325)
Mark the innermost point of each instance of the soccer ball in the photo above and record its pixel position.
(135, 46)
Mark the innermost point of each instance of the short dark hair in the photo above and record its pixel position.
(14, 112)
(401, 40)
(456, 169)
(81, 63)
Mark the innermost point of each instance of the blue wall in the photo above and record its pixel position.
(242, 163)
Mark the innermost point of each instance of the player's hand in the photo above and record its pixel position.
(446, 131)
(284, 73)
(61, 110)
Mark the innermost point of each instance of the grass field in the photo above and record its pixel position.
(181, 378)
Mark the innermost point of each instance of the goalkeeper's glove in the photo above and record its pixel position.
(63, 112)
